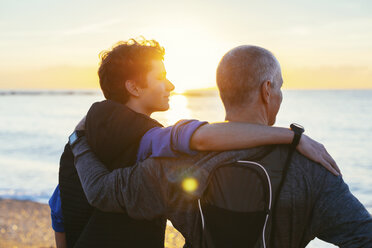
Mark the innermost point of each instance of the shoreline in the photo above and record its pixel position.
(27, 224)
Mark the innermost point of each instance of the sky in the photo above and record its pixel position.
(50, 44)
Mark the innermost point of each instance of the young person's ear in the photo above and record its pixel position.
(132, 88)
(266, 91)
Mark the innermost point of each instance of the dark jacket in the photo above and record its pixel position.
(114, 132)
(313, 202)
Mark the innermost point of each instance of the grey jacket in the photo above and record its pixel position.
(313, 202)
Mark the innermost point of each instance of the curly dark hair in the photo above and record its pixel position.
(127, 60)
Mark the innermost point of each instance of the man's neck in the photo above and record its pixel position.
(248, 114)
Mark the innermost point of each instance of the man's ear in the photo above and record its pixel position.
(132, 88)
(266, 91)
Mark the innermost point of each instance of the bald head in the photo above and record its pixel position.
(242, 71)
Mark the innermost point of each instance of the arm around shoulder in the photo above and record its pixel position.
(96, 180)
(237, 135)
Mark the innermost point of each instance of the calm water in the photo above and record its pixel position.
(34, 129)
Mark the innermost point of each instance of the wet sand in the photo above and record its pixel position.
(26, 224)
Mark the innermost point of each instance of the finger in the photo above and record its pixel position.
(329, 167)
(330, 160)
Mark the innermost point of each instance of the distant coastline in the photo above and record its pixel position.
(190, 93)
(49, 92)
(196, 92)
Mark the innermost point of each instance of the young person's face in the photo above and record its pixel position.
(155, 97)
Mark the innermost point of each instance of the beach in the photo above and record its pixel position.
(27, 224)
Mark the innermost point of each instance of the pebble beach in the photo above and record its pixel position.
(27, 224)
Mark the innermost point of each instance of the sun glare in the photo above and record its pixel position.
(178, 109)
(191, 63)
(189, 184)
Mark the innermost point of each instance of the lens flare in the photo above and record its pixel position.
(189, 184)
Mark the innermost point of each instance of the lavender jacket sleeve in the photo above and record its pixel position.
(170, 142)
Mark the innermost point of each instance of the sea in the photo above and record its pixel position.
(35, 125)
